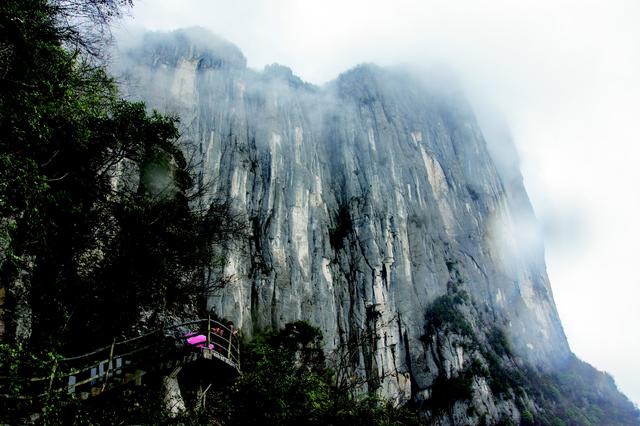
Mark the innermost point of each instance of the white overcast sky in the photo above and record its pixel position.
(564, 74)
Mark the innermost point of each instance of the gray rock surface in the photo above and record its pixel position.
(365, 198)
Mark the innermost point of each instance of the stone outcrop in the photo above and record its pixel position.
(366, 198)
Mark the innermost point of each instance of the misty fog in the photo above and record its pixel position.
(558, 78)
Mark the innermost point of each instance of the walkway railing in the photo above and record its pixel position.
(129, 360)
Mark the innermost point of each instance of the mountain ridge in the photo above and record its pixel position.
(369, 199)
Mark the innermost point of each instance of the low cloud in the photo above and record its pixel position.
(562, 75)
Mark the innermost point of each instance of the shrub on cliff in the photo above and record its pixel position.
(286, 381)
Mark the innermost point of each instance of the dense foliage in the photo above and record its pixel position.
(577, 394)
(96, 198)
(19, 393)
(101, 223)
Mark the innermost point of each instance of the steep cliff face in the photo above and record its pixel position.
(368, 199)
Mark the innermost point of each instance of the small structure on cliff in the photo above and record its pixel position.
(204, 348)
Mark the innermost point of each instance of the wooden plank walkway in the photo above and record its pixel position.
(127, 361)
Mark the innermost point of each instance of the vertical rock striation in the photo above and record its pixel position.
(367, 198)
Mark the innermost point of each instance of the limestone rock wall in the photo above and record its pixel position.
(365, 198)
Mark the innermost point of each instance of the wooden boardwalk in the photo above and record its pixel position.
(127, 361)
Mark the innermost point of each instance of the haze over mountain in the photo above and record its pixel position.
(373, 201)
(562, 74)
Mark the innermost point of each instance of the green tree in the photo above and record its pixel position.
(96, 198)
